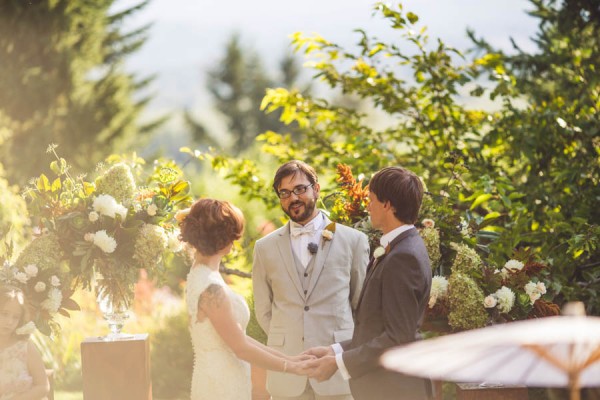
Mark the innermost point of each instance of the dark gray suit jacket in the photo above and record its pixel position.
(390, 309)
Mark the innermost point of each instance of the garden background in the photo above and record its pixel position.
(505, 136)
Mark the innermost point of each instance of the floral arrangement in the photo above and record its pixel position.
(104, 231)
(45, 286)
(467, 291)
(476, 294)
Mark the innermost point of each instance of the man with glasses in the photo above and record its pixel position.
(307, 277)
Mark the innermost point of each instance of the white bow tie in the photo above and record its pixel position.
(297, 230)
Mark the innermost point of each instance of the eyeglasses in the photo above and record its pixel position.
(298, 190)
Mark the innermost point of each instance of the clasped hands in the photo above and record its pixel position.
(317, 362)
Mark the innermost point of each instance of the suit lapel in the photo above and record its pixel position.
(320, 258)
(285, 250)
(371, 267)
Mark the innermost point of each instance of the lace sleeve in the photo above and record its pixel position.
(198, 281)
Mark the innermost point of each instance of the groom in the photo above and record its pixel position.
(393, 298)
(307, 277)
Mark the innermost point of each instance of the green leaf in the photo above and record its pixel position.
(492, 215)
(482, 198)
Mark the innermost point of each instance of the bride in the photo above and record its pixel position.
(218, 316)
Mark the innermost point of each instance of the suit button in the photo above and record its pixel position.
(306, 274)
(306, 291)
(306, 308)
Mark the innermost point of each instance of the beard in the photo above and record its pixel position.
(300, 214)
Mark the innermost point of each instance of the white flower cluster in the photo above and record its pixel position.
(504, 299)
(107, 205)
(535, 290)
(106, 243)
(439, 289)
(52, 303)
(513, 265)
(26, 329)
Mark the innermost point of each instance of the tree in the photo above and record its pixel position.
(517, 180)
(63, 82)
(238, 84)
(551, 146)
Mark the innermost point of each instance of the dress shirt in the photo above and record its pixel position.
(385, 240)
(301, 236)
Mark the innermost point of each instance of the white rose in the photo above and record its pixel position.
(513, 265)
(152, 209)
(31, 270)
(39, 287)
(428, 223)
(541, 286)
(490, 301)
(327, 235)
(122, 211)
(379, 252)
(106, 243)
(105, 205)
(93, 216)
(88, 237)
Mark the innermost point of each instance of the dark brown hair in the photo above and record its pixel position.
(402, 188)
(8, 293)
(211, 225)
(292, 168)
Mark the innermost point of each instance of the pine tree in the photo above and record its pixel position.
(238, 84)
(63, 82)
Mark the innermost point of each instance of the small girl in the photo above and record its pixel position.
(22, 371)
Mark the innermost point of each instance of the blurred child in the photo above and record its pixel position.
(22, 371)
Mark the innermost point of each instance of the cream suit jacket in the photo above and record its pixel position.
(295, 321)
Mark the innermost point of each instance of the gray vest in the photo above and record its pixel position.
(304, 273)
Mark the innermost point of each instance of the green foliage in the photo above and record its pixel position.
(549, 147)
(172, 358)
(524, 176)
(63, 81)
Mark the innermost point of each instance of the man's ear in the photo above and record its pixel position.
(317, 189)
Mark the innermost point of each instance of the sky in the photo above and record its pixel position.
(188, 37)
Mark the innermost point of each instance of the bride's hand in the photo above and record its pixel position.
(298, 367)
(301, 357)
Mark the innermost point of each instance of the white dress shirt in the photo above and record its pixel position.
(337, 348)
(301, 236)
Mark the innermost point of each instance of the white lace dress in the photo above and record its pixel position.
(218, 373)
(14, 374)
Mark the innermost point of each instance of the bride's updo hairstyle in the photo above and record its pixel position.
(211, 225)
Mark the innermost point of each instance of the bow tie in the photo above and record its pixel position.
(297, 230)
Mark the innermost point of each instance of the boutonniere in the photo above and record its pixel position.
(378, 252)
(328, 231)
(313, 247)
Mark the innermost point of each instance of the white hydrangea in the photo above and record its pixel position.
(39, 287)
(21, 277)
(513, 265)
(55, 281)
(173, 243)
(106, 243)
(31, 270)
(506, 299)
(52, 303)
(439, 286)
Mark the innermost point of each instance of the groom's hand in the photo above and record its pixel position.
(323, 368)
(320, 351)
